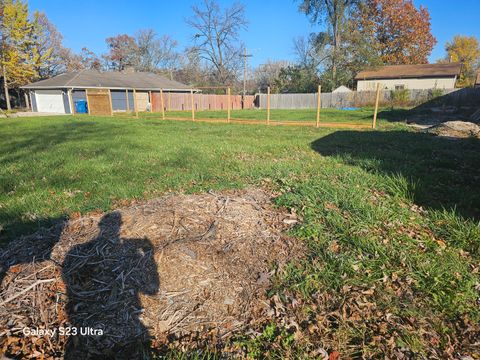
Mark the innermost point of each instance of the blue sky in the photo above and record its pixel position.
(272, 24)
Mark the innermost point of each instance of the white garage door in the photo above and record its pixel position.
(50, 101)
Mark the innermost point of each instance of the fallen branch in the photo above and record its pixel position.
(26, 289)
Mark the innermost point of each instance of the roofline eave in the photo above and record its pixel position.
(405, 77)
(29, 87)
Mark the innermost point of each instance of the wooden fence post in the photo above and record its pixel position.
(228, 105)
(169, 101)
(88, 103)
(150, 100)
(374, 124)
(268, 105)
(110, 101)
(128, 101)
(161, 104)
(193, 105)
(318, 105)
(135, 105)
(72, 105)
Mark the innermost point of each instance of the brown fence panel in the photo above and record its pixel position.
(182, 101)
(99, 102)
(249, 102)
(157, 101)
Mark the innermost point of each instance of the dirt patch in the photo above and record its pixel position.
(456, 129)
(172, 270)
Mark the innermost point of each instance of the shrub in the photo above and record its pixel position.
(400, 97)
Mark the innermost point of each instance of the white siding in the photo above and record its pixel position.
(50, 101)
(424, 84)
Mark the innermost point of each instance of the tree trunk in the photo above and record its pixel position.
(5, 87)
(27, 100)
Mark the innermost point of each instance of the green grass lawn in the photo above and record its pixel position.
(390, 217)
(360, 116)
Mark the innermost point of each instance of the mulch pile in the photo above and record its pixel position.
(177, 271)
(455, 130)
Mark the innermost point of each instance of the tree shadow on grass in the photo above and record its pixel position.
(44, 144)
(34, 141)
(442, 173)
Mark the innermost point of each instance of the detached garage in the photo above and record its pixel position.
(99, 93)
(50, 101)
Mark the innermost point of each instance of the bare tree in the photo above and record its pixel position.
(310, 51)
(216, 38)
(266, 74)
(156, 53)
(334, 15)
(90, 60)
(192, 71)
(49, 46)
(70, 60)
(122, 52)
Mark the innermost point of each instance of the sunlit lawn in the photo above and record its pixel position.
(361, 196)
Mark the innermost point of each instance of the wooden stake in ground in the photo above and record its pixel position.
(161, 104)
(268, 105)
(135, 107)
(110, 101)
(318, 105)
(72, 104)
(88, 103)
(128, 102)
(228, 105)
(374, 124)
(193, 107)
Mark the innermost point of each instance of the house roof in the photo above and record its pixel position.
(112, 80)
(342, 89)
(411, 71)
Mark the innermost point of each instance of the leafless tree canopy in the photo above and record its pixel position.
(310, 51)
(266, 74)
(49, 41)
(216, 37)
(154, 53)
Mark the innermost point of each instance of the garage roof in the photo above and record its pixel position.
(112, 80)
(411, 71)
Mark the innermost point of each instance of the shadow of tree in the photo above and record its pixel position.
(442, 173)
(44, 144)
(456, 105)
(36, 140)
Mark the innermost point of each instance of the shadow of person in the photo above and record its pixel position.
(32, 248)
(104, 278)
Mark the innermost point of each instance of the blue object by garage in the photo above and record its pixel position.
(81, 107)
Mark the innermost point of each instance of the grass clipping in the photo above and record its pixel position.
(178, 269)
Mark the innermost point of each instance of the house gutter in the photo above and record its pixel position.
(28, 87)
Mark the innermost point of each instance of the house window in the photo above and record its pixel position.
(399, 87)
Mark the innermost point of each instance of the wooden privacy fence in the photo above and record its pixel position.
(368, 98)
(183, 101)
